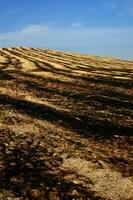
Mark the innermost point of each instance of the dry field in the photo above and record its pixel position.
(66, 124)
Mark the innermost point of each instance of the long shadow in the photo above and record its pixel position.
(102, 69)
(102, 80)
(106, 100)
(108, 81)
(87, 125)
(5, 75)
(111, 81)
(119, 95)
(50, 80)
(112, 102)
(37, 87)
(115, 99)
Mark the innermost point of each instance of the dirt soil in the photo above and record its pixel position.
(66, 124)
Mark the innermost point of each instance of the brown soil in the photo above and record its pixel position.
(66, 124)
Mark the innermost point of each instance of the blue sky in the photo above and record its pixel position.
(100, 27)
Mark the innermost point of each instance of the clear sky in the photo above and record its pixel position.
(100, 27)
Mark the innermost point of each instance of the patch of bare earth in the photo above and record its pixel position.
(66, 124)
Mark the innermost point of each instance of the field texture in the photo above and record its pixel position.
(66, 125)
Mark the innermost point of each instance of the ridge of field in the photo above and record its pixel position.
(66, 124)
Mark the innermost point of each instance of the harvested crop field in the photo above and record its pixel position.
(66, 124)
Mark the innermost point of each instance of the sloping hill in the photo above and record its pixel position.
(66, 124)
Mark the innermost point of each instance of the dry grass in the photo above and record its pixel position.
(66, 124)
